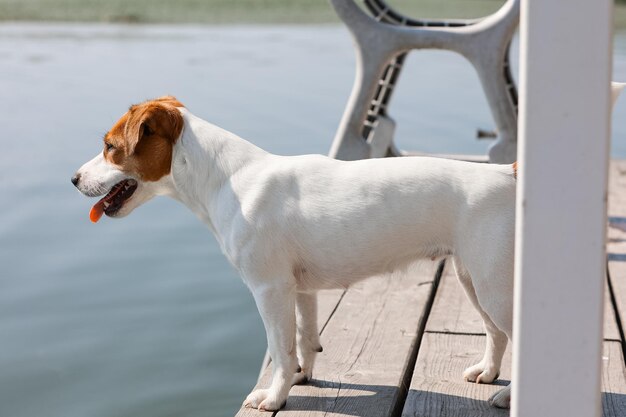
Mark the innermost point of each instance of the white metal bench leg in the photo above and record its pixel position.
(382, 44)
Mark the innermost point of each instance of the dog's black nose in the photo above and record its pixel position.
(75, 179)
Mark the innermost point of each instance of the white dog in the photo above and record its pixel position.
(292, 225)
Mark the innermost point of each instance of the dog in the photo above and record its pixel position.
(292, 225)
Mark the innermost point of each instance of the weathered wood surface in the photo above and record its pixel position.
(368, 342)
(438, 388)
(616, 245)
(611, 331)
(370, 335)
(613, 368)
(452, 312)
(455, 340)
(367, 345)
(613, 381)
(328, 302)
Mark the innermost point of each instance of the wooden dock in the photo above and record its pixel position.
(397, 346)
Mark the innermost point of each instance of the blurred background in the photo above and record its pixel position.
(143, 316)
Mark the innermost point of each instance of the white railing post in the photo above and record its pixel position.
(565, 67)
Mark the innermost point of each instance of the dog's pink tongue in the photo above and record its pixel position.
(96, 211)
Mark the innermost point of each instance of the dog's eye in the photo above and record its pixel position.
(108, 146)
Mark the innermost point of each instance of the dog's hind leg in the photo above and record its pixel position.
(488, 369)
(276, 303)
(307, 335)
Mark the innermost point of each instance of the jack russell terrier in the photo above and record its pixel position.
(292, 225)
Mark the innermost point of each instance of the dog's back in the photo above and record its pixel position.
(343, 221)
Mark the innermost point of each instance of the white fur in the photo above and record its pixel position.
(98, 177)
(292, 225)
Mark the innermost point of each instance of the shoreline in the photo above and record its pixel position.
(218, 12)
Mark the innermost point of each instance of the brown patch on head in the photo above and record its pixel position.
(515, 169)
(142, 140)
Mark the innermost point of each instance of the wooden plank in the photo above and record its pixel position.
(327, 301)
(438, 388)
(454, 340)
(616, 246)
(617, 273)
(452, 311)
(370, 340)
(613, 381)
(611, 331)
(367, 344)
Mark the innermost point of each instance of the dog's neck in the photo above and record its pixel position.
(204, 159)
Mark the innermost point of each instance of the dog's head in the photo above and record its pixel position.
(135, 163)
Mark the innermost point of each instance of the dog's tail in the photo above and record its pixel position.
(514, 166)
(616, 89)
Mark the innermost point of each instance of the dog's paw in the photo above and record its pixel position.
(255, 398)
(481, 374)
(264, 400)
(502, 398)
(272, 403)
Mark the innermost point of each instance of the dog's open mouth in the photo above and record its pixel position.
(114, 200)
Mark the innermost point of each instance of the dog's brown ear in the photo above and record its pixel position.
(152, 120)
(151, 131)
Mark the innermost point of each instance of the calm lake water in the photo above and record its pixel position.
(143, 317)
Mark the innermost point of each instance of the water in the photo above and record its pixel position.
(144, 316)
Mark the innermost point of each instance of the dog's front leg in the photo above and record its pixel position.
(276, 303)
(308, 338)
